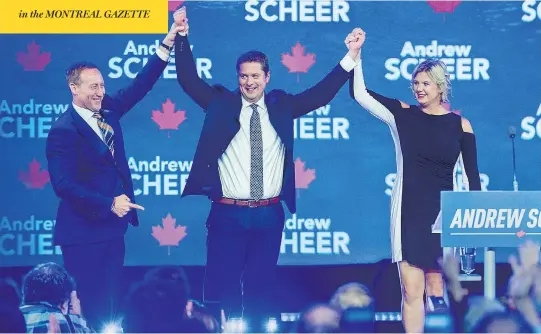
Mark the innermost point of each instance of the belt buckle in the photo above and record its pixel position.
(252, 203)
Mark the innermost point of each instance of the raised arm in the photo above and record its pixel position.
(380, 106)
(468, 147)
(187, 76)
(326, 89)
(125, 99)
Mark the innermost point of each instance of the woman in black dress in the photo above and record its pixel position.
(429, 141)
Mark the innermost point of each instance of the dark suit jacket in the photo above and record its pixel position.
(223, 107)
(84, 174)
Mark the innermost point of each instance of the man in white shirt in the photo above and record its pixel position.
(244, 164)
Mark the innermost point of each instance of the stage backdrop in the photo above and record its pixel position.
(344, 157)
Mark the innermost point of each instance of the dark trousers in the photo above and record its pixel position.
(243, 246)
(97, 269)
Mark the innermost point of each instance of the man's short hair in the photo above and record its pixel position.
(73, 74)
(170, 273)
(155, 306)
(47, 282)
(254, 57)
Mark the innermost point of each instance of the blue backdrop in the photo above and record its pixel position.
(345, 156)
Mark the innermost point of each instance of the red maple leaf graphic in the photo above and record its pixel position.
(169, 235)
(34, 178)
(169, 119)
(303, 176)
(33, 60)
(174, 5)
(297, 61)
(521, 233)
(444, 6)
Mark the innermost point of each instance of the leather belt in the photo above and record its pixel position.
(249, 203)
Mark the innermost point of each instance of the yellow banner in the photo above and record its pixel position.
(89, 17)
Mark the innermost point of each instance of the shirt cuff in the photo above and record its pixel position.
(347, 63)
(163, 56)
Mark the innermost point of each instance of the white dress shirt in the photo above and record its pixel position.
(234, 164)
(91, 121)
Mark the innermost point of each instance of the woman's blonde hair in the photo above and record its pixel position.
(437, 72)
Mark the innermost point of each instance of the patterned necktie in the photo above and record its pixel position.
(106, 130)
(256, 146)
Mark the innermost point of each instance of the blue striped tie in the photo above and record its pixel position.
(107, 131)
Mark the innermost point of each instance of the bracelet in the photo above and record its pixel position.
(169, 48)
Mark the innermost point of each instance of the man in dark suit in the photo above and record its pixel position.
(244, 164)
(90, 174)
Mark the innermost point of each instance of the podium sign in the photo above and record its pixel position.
(490, 218)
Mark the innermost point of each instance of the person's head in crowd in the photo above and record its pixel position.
(173, 273)
(319, 318)
(490, 316)
(155, 306)
(501, 322)
(197, 319)
(351, 295)
(48, 283)
(356, 303)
